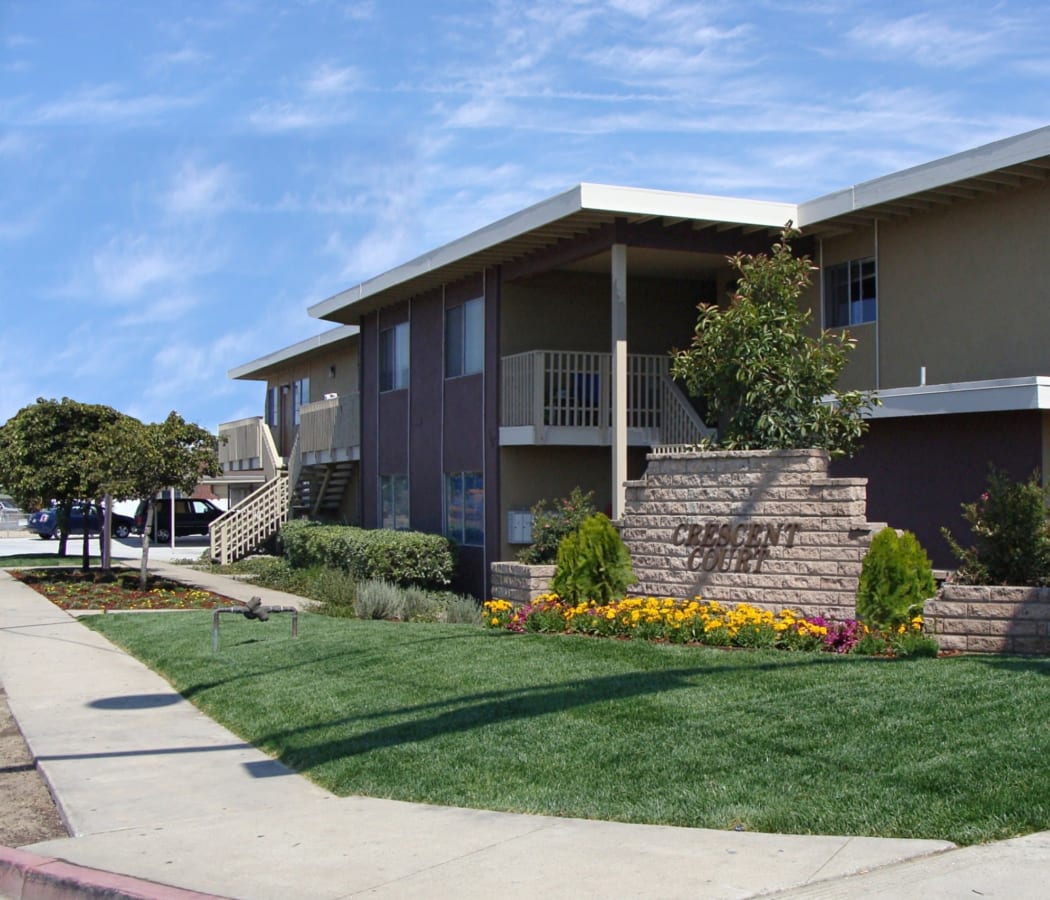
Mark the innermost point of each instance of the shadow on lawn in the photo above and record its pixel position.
(476, 710)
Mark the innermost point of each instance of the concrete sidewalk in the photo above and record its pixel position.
(153, 789)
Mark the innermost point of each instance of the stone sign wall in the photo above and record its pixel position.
(763, 527)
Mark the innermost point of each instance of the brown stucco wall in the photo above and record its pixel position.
(921, 469)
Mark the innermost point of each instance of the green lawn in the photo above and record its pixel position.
(774, 741)
(33, 560)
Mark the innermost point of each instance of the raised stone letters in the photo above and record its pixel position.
(724, 546)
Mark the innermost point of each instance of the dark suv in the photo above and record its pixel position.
(191, 517)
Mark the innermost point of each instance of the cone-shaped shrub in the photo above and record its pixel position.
(593, 563)
(896, 578)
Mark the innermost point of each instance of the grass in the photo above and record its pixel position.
(25, 560)
(630, 731)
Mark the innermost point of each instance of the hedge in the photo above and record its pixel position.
(401, 557)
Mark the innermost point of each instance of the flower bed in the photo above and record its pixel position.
(96, 589)
(705, 622)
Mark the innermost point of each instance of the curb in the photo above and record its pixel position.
(26, 876)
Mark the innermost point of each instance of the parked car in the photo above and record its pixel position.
(45, 521)
(191, 517)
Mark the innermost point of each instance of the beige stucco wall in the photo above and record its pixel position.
(661, 313)
(318, 369)
(963, 290)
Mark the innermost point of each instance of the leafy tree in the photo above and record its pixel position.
(48, 452)
(896, 579)
(140, 461)
(762, 376)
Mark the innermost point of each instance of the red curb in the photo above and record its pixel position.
(26, 876)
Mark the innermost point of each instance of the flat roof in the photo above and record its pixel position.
(991, 395)
(257, 368)
(1002, 164)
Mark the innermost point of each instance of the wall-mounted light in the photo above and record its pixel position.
(331, 371)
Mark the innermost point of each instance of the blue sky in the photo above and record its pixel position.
(179, 180)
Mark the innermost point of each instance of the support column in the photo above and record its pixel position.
(618, 280)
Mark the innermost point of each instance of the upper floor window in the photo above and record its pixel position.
(850, 293)
(393, 358)
(465, 338)
(300, 397)
(273, 406)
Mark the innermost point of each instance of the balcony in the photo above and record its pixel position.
(330, 430)
(565, 397)
(246, 445)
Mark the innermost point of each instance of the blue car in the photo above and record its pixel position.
(45, 522)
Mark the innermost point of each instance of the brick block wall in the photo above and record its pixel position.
(763, 527)
(990, 619)
(519, 583)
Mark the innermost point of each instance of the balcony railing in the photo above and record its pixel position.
(330, 430)
(248, 444)
(549, 391)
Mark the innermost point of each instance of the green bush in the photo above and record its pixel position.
(462, 611)
(1011, 532)
(896, 579)
(400, 557)
(553, 520)
(593, 563)
(336, 591)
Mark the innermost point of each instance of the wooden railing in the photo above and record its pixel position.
(330, 425)
(248, 444)
(552, 388)
(238, 531)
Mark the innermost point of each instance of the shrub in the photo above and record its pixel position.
(420, 606)
(400, 557)
(593, 563)
(336, 591)
(896, 578)
(551, 523)
(462, 611)
(379, 600)
(1011, 532)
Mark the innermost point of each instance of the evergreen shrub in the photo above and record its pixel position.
(896, 579)
(593, 563)
(400, 557)
(1011, 530)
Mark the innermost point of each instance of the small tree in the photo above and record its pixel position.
(1011, 534)
(141, 460)
(47, 453)
(593, 563)
(763, 377)
(896, 579)
(553, 520)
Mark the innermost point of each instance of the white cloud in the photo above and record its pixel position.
(929, 41)
(108, 104)
(170, 308)
(129, 266)
(198, 190)
(278, 117)
(327, 80)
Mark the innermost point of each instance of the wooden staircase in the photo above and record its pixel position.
(252, 522)
(319, 489)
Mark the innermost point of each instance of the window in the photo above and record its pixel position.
(393, 358)
(849, 293)
(465, 508)
(300, 396)
(393, 502)
(272, 406)
(465, 338)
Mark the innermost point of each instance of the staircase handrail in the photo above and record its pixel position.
(256, 518)
(680, 423)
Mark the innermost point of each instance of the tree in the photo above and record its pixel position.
(141, 460)
(763, 377)
(48, 452)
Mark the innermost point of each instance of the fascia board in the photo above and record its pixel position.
(250, 370)
(514, 225)
(928, 176)
(610, 199)
(993, 395)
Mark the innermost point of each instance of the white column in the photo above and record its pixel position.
(619, 380)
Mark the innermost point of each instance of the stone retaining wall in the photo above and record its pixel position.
(519, 583)
(763, 527)
(981, 619)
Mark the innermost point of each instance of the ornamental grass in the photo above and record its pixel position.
(707, 622)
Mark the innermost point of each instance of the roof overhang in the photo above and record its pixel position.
(994, 167)
(568, 215)
(259, 369)
(994, 395)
